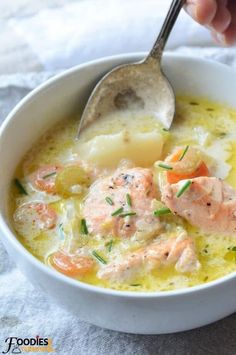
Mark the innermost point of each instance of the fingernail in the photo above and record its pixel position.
(220, 38)
(191, 10)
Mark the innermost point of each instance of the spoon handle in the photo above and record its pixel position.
(167, 26)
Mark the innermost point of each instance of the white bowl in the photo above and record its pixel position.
(139, 312)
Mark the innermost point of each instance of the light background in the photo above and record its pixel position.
(53, 34)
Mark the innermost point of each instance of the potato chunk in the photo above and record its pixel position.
(108, 150)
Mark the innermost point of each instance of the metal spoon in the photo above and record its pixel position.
(138, 87)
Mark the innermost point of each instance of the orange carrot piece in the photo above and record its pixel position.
(173, 177)
(71, 265)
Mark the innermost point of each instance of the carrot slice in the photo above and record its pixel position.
(173, 177)
(71, 265)
(202, 170)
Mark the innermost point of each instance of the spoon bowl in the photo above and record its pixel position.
(141, 88)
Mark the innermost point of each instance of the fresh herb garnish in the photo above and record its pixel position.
(127, 214)
(165, 129)
(49, 175)
(184, 152)
(205, 250)
(109, 245)
(109, 201)
(98, 257)
(117, 212)
(165, 166)
(83, 226)
(135, 285)
(61, 231)
(234, 250)
(222, 134)
(20, 187)
(185, 186)
(162, 211)
(128, 200)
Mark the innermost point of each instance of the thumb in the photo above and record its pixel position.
(202, 11)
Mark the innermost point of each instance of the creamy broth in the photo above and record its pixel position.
(199, 123)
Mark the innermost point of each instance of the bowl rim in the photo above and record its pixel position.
(15, 243)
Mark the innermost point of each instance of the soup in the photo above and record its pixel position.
(131, 205)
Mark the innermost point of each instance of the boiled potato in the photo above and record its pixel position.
(108, 150)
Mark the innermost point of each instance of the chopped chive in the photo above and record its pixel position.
(128, 214)
(98, 257)
(162, 211)
(165, 129)
(117, 212)
(222, 134)
(128, 200)
(61, 231)
(83, 226)
(185, 186)
(234, 255)
(48, 175)
(20, 187)
(109, 245)
(165, 166)
(109, 201)
(234, 250)
(135, 285)
(184, 152)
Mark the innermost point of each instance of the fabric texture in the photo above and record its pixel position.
(26, 311)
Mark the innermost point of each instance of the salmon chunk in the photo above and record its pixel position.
(121, 205)
(44, 178)
(179, 251)
(209, 203)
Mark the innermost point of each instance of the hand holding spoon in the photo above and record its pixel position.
(139, 87)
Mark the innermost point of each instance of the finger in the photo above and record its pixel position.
(203, 11)
(226, 39)
(222, 19)
(230, 33)
(222, 2)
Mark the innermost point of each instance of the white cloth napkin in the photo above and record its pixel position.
(85, 30)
